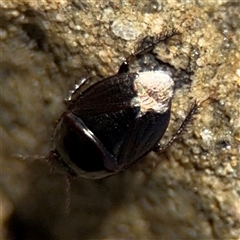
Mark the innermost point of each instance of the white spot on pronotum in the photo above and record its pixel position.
(154, 91)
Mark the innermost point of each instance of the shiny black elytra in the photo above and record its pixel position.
(115, 122)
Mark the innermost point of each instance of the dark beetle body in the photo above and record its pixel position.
(101, 132)
(115, 122)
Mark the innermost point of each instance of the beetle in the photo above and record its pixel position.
(117, 121)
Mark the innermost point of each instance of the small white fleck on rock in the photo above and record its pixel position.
(127, 30)
(207, 136)
(3, 34)
(238, 72)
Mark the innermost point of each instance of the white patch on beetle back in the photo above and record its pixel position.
(154, 91)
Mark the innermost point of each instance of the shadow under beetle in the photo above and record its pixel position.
(115, 122)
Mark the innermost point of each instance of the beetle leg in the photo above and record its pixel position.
(76, 89)
(188, 118)
(146, 45)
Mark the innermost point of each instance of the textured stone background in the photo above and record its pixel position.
(189, 192)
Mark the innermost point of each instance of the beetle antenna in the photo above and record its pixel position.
(68, 178)
(146, 45)
(29, 157)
